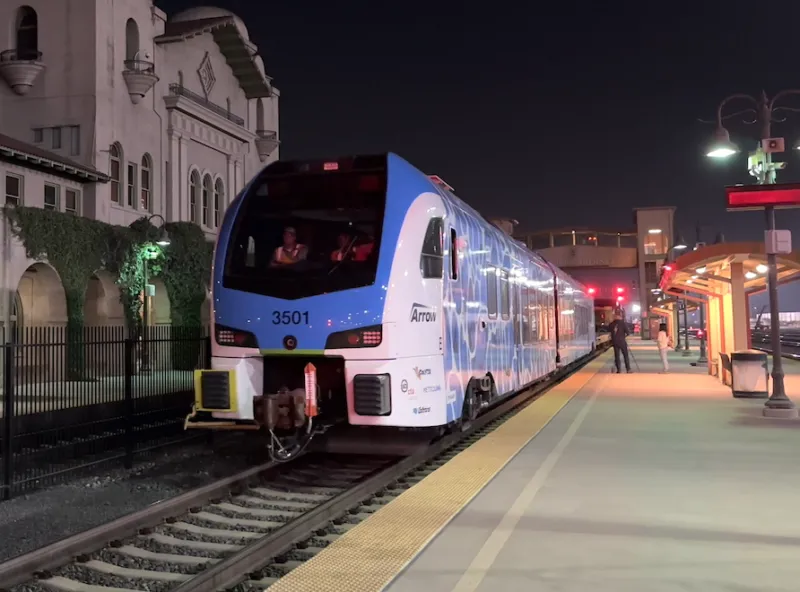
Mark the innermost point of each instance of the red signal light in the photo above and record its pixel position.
(620, 290)
(620, 298)
(592, 291)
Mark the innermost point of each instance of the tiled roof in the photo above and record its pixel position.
(33, 155)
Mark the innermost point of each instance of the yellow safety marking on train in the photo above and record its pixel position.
(368, 557)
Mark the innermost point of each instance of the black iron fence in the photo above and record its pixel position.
(72, 400)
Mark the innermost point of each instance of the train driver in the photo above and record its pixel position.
(364, 250)
(343, 250)
(290, 252)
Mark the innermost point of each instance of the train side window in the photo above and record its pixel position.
(431, 261)
(453, 254)
(491, 292)
(505, 303)
(516, 314)
(525, 313)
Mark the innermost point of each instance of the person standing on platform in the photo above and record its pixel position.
(664, 343)
(619, 331)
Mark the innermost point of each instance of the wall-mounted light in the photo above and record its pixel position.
(750, 275)
(654, 231)
(701, 269)
(761, 268)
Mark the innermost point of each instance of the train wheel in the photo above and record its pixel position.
(471, 406)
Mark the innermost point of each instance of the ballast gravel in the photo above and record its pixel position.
(50, 514)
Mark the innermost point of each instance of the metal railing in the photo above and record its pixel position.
(140, 67)
(74, 399)
(20, 55)
(181, 91)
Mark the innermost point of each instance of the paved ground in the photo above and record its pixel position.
(644, 482)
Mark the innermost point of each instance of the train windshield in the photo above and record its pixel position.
(300, 235)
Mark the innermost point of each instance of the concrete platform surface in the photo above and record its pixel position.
(643, 482)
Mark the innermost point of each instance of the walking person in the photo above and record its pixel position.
(664, 344)
(619, 331)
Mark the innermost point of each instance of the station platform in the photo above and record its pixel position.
(623, 482)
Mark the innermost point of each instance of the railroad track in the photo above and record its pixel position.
(245, 532)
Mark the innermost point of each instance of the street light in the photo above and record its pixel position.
(721, 145)
(762, 167)
(162, 240)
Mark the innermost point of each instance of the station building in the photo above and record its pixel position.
(113, 111)
(616, 263)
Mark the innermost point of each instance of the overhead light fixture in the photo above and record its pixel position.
(654, 231)
(701, 269)
(750, 275)
(761, 268)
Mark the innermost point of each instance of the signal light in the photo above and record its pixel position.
(620, 290)
(620, 298)
(592, 291)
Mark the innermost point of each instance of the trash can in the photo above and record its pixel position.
(749, 374)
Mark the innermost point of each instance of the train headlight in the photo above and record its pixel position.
(362, 337)
(234, 337)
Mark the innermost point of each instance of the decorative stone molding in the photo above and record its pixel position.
(266, 143)
(20, 70)
(140, 77)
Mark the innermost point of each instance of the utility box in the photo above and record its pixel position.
(778, 242)
(749, 374)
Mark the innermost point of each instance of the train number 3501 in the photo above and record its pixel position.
(287, 317)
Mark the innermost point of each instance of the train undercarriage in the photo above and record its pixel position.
(304, 397)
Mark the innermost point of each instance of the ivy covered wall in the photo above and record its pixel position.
(77, 247)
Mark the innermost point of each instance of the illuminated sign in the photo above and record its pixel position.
(758, 197)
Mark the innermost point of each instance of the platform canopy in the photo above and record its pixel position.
(707, 270)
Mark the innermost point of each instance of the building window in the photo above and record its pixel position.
(50, 197)
(56, 138)
(27, 34)
(650, 272)
(219, 197)
(147, 180)
(74, 140)
(131, 201)
(207, 189)
(655, 243)
(71, 201)
(131, 40)
(38, 135)
(13, 190)
(115, 154)
(194, 190)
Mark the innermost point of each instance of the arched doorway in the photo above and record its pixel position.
(40, 301)
(102, 306)
(39, 317)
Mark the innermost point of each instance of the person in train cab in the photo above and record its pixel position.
(290, 251)
(619, 331)
(342, 251)
(364, 250)
(664, 343)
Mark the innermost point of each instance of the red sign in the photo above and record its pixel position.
(758, 197)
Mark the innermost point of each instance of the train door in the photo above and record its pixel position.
(516, 312)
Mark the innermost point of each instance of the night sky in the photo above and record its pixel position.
(557, 114)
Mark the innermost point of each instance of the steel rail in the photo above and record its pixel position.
(231, 571)
(24, 567)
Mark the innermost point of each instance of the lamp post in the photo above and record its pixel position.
(162, 240)
(764, 169)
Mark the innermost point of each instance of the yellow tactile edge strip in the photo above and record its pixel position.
(369, 557)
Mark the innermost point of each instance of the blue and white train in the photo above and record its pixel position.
(405, 308)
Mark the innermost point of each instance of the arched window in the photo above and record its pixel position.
(131, 40)
(115, 172)
(147, 183)
(27, 34)
(207, 189)
(194, 191)
(219, 200)
(260, 115)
